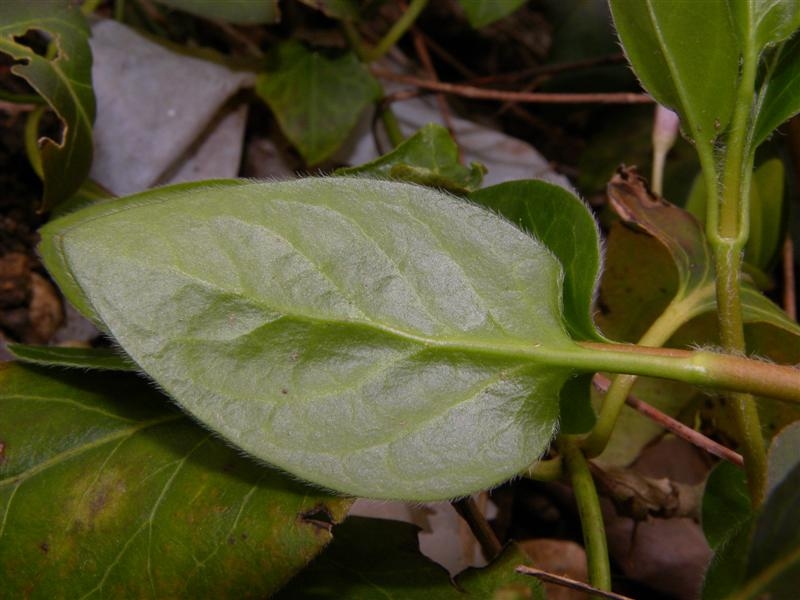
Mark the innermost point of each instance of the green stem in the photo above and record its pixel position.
(676, 314)
(402, 25)
(89, 6)
(702, 368)
(389, 119)
(392, 126)
(594, 534)
(119, 10)
(727, 237)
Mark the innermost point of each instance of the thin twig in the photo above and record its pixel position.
(568, 583)
(789, 292)
(479, 526)
(540, 70)
(679, 429)
(427, 63)
(468, 91)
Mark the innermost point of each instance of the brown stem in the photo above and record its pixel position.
(506, 96)
(569, 583)
(789, 293)
(479, 526)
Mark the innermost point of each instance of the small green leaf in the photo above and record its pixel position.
(106, 490)
(64, 81)
(565, 225)
(104, 359)
(379, 558)
(766, 214)
(780, 91)
(244, 12)
(764, 22)
(429, 157)
(377, 338)
(316, 100)
(485, 12)
(672, 52)
(726, 503)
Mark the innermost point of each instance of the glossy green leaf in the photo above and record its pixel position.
(773, 565)
(779, 95)
(566, 226)
(764, 22)
(766, 214)
(244, 12)
(317, 100)
(377, 338)
(783, 455)
(429, 157)
(485, 12)
(64, 81)
(672, 52)
(107, 491)
(726, 503)
(104, 359)
(378, 558)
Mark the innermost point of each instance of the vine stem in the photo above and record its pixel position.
(594, 534)
(699, 367)
(727, 234)
(468, 510)
(397, 30)
(676, 314)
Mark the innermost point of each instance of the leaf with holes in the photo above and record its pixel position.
(377, 338)
(65, 81)
(106, 489)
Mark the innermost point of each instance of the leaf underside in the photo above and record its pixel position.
(372, 337)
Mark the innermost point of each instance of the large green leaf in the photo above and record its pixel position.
(429, 157)
(245, 12)
(107, 491)
(560, 220)
(65, 81)
(377, 558)
(688, 59)
(779, 95)
(484, 12)
(317, 100)
(378, 338)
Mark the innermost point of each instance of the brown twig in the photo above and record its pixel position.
(425, 58)
(568, 583)
(789, 292)
(507, 96)
(541, 70)
(679, 429)
(479, 526)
